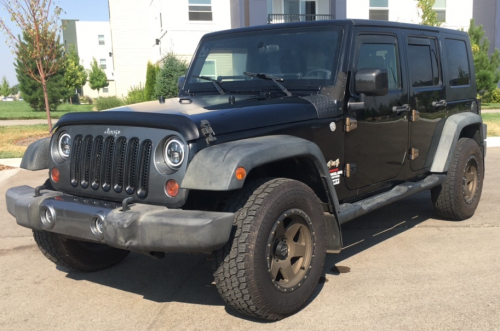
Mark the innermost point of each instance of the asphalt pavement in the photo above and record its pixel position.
(401, 269)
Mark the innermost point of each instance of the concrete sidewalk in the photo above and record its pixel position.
(25, 122)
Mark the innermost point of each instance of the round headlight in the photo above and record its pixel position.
(64, 145)
(174, 153)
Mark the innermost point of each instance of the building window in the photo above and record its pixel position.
(379, 10)
(440, 9)
(200, 10)
(103, 63)
(101, 39)
(105, 90)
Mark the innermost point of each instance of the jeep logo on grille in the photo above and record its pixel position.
(110, 132)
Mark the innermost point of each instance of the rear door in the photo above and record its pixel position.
(376, 149)
(427, 97)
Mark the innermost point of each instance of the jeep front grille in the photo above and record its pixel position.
(111, 164)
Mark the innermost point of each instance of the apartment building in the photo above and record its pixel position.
(91, 40)
(146, 30)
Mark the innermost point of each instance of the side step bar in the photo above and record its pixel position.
(349, 211)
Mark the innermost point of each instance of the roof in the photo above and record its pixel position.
(352, 22)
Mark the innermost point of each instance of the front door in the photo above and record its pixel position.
(376, 149)
(427, 97)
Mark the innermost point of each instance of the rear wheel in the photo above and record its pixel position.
(458, 197)
(272, 264)
(77, 255)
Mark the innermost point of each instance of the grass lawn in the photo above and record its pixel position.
(490, 105)
(15, 139)
(20, 110)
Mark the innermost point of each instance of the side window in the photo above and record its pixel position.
(380, 52)
(423, 61)
(458, 62)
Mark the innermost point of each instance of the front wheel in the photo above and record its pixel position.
(457, 198)
(272, 264)
(77, 255)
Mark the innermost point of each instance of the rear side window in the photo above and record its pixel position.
(458, 62)
(423, 61)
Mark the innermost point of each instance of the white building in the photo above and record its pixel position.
(146, 30)
(92, 40)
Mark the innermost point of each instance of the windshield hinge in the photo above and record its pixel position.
(207, 131)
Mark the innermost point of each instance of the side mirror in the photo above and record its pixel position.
(372, 82)
(180, 82)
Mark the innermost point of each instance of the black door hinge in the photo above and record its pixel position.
(207, 131)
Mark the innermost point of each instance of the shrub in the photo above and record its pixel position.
(85, 100)
(135, 95)
(166, 80)
(492, 97)
(149, 88)
(108, 103)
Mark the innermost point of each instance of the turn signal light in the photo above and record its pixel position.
(241, 173)
(54, 174)
(172, 188)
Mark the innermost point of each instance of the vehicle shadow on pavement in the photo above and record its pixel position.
(188, 278)
(372, 229)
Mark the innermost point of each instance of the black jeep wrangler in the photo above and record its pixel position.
(280, 134)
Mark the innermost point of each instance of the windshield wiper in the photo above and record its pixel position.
(275, 79)
(214, 81)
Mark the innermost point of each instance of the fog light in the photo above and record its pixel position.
(97, 225)
(54, 174)
(172, 188)
(48, 218)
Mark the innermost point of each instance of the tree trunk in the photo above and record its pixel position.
(47, 106)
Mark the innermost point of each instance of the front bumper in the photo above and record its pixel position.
(144, 228)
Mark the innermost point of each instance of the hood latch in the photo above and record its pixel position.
(207, 131)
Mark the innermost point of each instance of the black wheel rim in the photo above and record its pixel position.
(290, 250)
(470, 180)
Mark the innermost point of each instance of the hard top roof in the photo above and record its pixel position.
(349, 22)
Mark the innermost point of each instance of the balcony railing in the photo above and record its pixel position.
(289, 18)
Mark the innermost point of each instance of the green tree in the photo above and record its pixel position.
(97, 77)
(4, 87)
(166, 80)
(14, 89)
(75, 75)
(486, 67)
(39, 22)
(31, 89)
(428, 14)
(149, 88)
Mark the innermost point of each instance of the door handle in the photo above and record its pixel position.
(399, 109)
(440, 103)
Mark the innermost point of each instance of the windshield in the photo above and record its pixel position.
(303, 58)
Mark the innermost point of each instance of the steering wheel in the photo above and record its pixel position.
(322, 72)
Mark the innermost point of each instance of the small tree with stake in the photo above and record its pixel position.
(75, 75)
(38, 20)
(97, 77)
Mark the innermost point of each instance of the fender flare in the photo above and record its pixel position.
(449, 138)
(37, 155)
(214, 167)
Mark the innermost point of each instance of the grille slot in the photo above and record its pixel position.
(142, 191)
(75, 161)
(97, 158)
(107, 163)
(119, 164)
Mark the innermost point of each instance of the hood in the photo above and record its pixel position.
(245, 113)
(185, 114)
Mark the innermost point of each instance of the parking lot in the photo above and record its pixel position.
(402, 269)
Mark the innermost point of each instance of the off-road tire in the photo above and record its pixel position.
(242, 273)
(452, 200)
(77, 255)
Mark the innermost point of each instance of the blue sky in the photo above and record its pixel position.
(88, 10)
